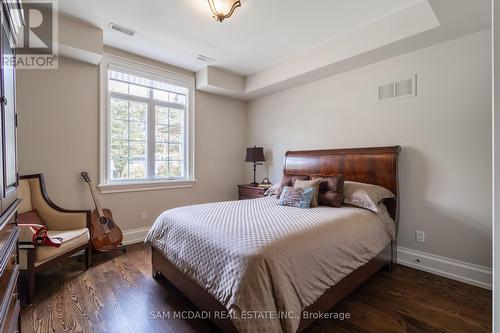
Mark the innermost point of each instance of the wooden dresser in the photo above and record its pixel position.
(247, 191)
(9, 181)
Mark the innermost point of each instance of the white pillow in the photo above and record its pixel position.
(365, 195)
(273, 190)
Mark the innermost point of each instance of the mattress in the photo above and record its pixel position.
(265, 262)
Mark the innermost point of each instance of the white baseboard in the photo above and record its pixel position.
(454, 269)
(136, 235)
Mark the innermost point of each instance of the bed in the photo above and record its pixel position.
(256, 266)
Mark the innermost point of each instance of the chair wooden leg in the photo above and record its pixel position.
(31, 287)
(88, 256)
(30, 276)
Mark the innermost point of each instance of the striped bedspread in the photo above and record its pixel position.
(254, 255)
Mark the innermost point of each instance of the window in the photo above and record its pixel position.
(147, 124)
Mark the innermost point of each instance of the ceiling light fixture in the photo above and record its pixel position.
(222, 9)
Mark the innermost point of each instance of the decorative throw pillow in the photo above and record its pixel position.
(33, 232)
(365, 195)
(309, 184)
(30, 224)
(331, 190)
(288, 180)
(296, 197)
(30, 217)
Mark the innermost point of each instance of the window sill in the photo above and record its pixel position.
(145, 186)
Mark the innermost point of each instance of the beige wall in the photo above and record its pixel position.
(445, 132)
(58, 135)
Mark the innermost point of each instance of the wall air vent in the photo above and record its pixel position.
(122, 29)
(203, 58)
(401, 88)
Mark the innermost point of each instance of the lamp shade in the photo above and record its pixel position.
(255, 154)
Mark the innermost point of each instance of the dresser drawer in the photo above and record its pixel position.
(8, 231)
(247, 192)
(11, 323)
(9, 274)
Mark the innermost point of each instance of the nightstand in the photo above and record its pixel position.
(247, 191)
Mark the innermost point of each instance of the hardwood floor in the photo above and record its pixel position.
(118, 294)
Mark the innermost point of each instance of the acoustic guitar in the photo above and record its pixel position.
(106, 235)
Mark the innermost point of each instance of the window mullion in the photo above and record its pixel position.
(129, 97)
(128, 139)
(151, 136)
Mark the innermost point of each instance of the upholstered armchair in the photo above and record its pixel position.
(70, 225)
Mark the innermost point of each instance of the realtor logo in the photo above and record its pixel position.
(35, 32)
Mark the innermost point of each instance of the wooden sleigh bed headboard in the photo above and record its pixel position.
(377, 165)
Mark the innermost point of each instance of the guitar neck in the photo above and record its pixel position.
(98, 206)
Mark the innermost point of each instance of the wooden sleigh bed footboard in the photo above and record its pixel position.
(204, 301)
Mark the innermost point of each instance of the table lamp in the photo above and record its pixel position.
(255, 155)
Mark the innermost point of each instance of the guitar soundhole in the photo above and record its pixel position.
(104, 221)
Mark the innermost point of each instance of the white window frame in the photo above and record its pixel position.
(157, 74)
